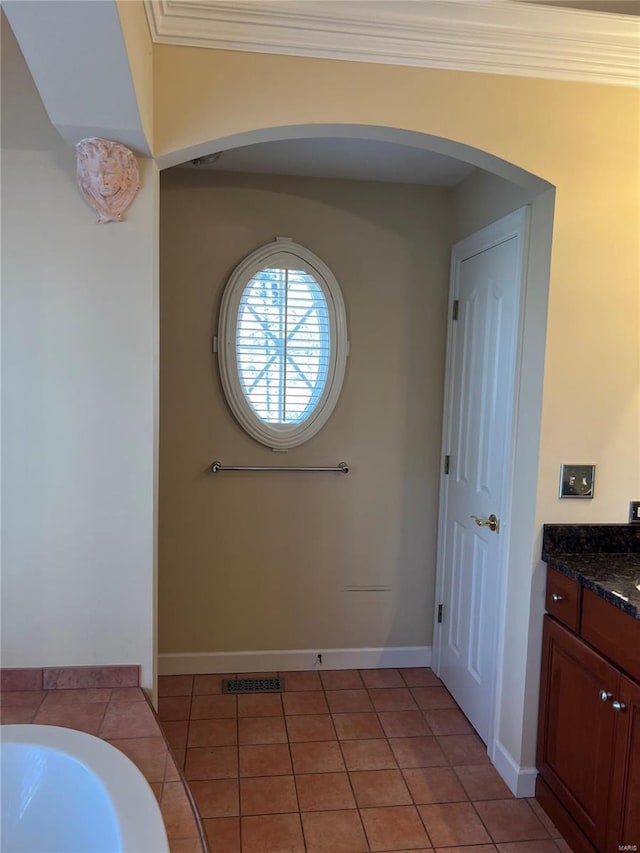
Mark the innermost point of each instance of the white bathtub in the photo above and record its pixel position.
(64, 791)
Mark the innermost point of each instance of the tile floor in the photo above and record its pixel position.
(343, 762)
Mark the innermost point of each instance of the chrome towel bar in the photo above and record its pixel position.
(341, 468)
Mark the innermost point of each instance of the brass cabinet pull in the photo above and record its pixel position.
(492, 522)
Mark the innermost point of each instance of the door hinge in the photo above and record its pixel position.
(440, 613)
(456, 305)
(447, 462)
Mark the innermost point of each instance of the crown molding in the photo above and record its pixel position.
(491, 36)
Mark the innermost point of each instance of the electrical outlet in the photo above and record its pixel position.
(634, 512)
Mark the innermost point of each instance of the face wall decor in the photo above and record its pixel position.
(108, 176)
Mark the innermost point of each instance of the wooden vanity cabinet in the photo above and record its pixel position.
(576, 733)
(589, 734)
(563, 599)
(624, 829)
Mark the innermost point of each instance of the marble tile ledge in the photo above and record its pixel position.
(124, 717)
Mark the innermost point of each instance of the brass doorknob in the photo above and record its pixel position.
(492, 522)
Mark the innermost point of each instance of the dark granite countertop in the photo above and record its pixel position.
(604, 558)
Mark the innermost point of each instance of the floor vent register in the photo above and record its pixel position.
(252, 685)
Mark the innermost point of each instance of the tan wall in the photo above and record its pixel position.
(252, 562)
(483, 198)
(139, 47)
(582, 139)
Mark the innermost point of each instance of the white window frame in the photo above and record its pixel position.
(282, 252)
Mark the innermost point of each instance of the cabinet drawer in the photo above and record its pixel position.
(614, 633)
(563, 599)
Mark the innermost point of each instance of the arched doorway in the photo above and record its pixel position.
(511, 187)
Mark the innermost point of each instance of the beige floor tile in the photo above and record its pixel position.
(223, 834)
(317, 757)
(434, 785)
(334, 832)
(216, 797)
(450, 824)
(341, 679)
(483, 782)
(324, 792)
(380, 788)
(268, 795)
(368, 755)
(278, 833)
(397, 827)
(271, 759)
(511, 820)
(417, 752)
(261, 730)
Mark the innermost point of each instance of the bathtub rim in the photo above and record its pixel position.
(137, 810)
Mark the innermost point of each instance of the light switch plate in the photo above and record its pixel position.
(577, 480)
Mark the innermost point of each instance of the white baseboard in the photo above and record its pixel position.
(521, 781)
(293, 660)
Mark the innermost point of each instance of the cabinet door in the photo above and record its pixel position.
(624, 817)
(576, 728)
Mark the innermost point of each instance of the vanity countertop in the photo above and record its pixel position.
(604, 558)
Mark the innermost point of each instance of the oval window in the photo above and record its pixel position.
(282, 344)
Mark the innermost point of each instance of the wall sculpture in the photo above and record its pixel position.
(108, 176)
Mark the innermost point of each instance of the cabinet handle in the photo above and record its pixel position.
(618, 706)
(556, 597)
(605, 695)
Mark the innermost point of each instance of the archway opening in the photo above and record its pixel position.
(300, 565)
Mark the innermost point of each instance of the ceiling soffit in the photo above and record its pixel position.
(84, 80)
(492, 36)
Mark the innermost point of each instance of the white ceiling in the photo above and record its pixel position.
(355, 159)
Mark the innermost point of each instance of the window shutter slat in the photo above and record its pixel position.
(283, 344)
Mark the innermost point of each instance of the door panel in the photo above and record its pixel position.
(480, 403)
(624, 814)
(576, 728)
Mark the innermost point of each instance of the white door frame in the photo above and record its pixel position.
(515, 224)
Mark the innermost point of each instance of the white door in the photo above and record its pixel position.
(486, 281)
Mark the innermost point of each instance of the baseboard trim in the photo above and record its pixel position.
(521, 781)
(291, 660)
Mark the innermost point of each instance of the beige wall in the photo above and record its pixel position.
(139, 47)
(252, 562)
(482, 198)
(582, 139)
(78, 338)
